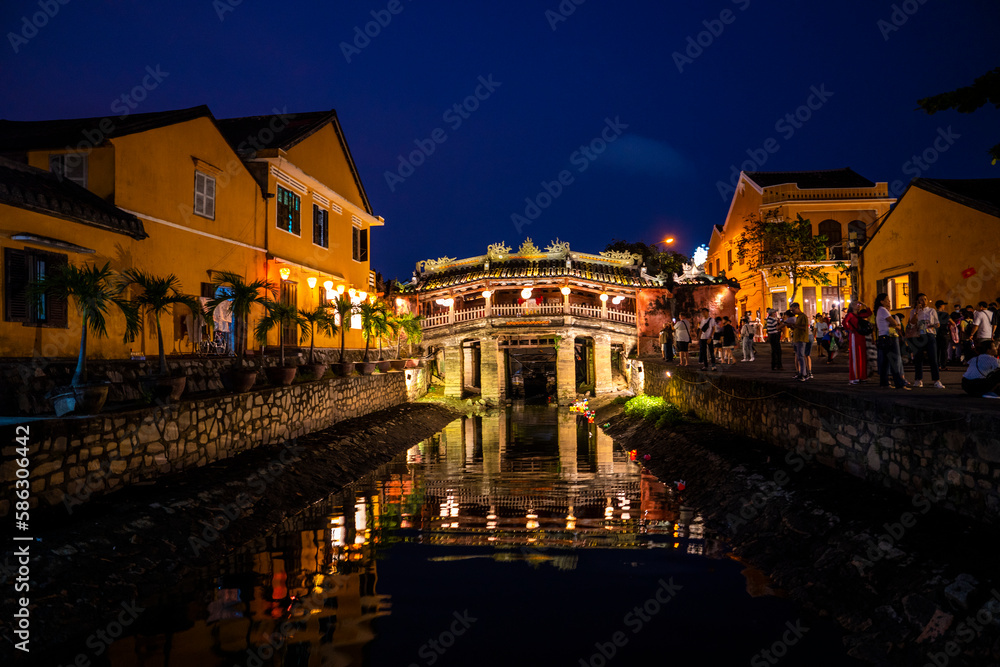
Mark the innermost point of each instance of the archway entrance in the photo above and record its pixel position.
(531, 368)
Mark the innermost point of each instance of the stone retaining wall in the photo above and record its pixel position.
(72, 459)
(953, 455)
(24, 382)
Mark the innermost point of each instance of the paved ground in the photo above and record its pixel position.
(834, 377)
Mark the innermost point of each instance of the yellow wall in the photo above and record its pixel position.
(322, 157)
(18, 340)
(952, 248)
(100, 168)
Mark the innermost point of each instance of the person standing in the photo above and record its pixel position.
(666, 342)
(823, 337)
(857, 348)
(922, 332)
(706, 347)
(981, 327)
(888, 350)
(728, 341)
(982, 378)
(746, 338)
(800, 337)
(943, 334)
(773, 328)
(682, 336)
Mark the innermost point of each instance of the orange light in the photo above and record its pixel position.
(311, 280)
(284, 272)
(669, 239)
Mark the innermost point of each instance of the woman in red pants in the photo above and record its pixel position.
(857, 346)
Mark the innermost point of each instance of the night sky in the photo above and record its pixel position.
(677, 124)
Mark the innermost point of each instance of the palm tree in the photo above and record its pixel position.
(158, 293)
(410, 326)
(93, 290)
(373, 324)
(281, 315)
(319, 318)
(243, 295)
(393, 326)
(343, 308)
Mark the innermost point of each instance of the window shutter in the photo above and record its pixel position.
(356, 249)
(363, 233)
(16, 277)
(914, 288)
(58, 309)
(209, 197)
(880, 287)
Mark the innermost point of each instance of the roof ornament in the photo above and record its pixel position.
(558, 247)
(434, 264)
(497, 250)
(621, 256)
(528, 248)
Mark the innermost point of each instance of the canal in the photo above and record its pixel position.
(523, 538)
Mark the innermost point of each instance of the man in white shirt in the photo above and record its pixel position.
(982, 378)
(706, 349)
(981, 327)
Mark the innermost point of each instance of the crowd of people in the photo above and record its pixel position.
(875, 341)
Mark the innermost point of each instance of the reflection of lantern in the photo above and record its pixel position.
(328, 285)
(526, 293)
(284, 272)
(487, 294)
(604, 297)
(311, 281)
(565, 291)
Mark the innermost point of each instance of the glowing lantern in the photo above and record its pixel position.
(526, 293)
(565, 291)
(399, 302)
(340, 288)
(311, 281)
(604, 298)
(617, 300)
(284, 272)
(362, 295)
(487, 294)
(328, 285)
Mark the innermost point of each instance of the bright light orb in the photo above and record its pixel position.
(311, 281)
(487, 294)
(340, 288)
(565, 291)
(284, 272)
(604, 298)
(526, 293)
(328, 285)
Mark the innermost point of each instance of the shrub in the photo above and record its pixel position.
(654, 409)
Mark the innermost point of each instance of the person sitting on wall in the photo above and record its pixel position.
(982, 378)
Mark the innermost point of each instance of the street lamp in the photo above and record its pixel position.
(668, 240)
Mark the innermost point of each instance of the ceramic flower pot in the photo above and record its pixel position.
(366, 367)
(280, 376)
(312, 371)
(398, 364)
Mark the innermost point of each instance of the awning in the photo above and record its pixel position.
(52, 243)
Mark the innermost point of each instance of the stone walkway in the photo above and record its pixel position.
(834, 377)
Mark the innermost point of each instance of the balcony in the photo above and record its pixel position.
(515, 311)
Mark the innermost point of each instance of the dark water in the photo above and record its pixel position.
(523, 539)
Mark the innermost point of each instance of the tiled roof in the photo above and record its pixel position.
(982, 194)
(19, 136)
(533, 270)
(293, 128)
(811, 180)
(37, 190)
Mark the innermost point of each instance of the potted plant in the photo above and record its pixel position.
(317, 318)
(93, 290)
(280, 315)
(158, 294)
(240, 295)
(343, 309)
(373, 325)
(409, 325)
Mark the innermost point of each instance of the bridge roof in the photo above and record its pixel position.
(526, 269)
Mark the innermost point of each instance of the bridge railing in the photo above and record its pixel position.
(514, 311)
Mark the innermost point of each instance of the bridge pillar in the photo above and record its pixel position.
(566, 371)
(602, 365)
(454, 378)
(490, 370)
(567, 431)
(469, 366)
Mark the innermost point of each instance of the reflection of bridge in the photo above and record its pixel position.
(564, 315)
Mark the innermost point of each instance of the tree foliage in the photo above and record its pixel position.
(158, 294)
(984, 90)
(783, 248)
(663, 263)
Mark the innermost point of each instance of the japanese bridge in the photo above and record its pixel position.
(532, 321)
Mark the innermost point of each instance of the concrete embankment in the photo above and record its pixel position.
(119, 548)
(913, 442)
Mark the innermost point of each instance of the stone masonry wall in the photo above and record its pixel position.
(953, 453)
(73, 459)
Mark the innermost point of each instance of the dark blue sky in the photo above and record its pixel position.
(557, 88)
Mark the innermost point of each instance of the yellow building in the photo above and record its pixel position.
(318, 216)
(837, 202)
(179, 192)
(943, 239)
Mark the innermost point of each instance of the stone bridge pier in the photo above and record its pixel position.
(483, 363)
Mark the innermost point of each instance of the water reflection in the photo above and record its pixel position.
(533, 485)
